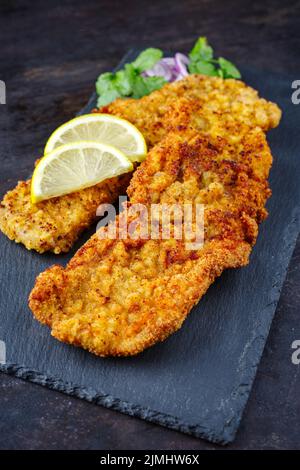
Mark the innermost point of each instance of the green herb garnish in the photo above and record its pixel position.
(129, 81)
(202, 61)
(227, 69)
(132, 81)
(147, 59)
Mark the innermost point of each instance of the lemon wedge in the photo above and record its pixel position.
(103, 128)
(75, 166)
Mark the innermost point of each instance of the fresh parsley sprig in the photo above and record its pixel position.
(202, 61)
(129, 81)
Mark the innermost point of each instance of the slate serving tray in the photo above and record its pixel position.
(197, 381)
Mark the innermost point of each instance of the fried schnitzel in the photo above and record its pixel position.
(208, 104)
(152, 114)
(54, 224)
(120, 296)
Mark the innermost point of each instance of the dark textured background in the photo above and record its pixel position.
(49, 66)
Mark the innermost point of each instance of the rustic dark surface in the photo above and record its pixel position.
(49, 68)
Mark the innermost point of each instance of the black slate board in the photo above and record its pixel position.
(199, 380)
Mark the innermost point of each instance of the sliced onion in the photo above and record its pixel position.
(170, 68)
(161, 69)
(170, 61)
(181, 62)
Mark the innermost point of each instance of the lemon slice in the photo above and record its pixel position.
(103, 128)
(76, 166)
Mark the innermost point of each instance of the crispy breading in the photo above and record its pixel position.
(209, 104)
(229, 98)
(120, 296)
(54, 224)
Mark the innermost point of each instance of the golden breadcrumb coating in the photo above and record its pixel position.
(150, 114)
(54, 224)
(209, 104)
(118, 297)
